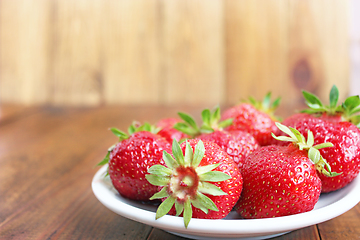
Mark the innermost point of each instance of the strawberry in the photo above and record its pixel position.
(282, 180)
(334, 123)
(130, 159)
(200, 181)
(168, 131)
(238, 144)
(255, 117)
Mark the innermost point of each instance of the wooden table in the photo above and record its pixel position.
(47, 159)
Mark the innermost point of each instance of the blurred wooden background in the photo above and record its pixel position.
(96, 52)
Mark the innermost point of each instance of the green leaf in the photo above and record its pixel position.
(216, 115)
(283, 138)
(184, 128)
(351, 103)
(198, 154)
(298, 135)
(145, 127)
(286, 130)
(206, 202)
(188, 119)
(162, 194)
(207, 168)
(188, 155)
(187, 213)
(107, 157)
(316, 107)
(314, 155)
(157, 180)
(206, 129)
(120, 134)
(276, 103)
(312, 99)
(214, 176)
(211, 189)
(354, 110)
(179, 207)
(178, 154)
(105, 160)
(334, 97)
(266, 101)
(132, 129)
(165, 207)
(159, 170)
(253, 101)
(197, 204)
(225, 123)
(169, 160)
(206, 116)
(323, 145)
(310, 138)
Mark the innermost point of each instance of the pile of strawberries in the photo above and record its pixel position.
(243, 159)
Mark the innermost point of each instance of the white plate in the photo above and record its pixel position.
(329, 206)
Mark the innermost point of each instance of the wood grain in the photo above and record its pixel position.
(311, 36)
(193, 52)
(256, 48)
(75, 70)
(91, 53)
(47, 159)
(24, 51)
(131, 51)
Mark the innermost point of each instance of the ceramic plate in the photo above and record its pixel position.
(330, 205)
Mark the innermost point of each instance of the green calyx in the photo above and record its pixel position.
(135, 127)
(210, 123)
(184, 182)
(349, 109)
(266, 105)
(307, 144)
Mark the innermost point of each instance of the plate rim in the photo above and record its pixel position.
(206, 227)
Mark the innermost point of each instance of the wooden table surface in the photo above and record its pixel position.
(47, 159)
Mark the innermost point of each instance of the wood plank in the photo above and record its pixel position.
(46, 167)
(50, 175)
(318, 51)
(158, 234)
(75, 65)
(346, 226)
(131, 51)
(24, 48)
(193, 60)
(309, 233)
(256, 34)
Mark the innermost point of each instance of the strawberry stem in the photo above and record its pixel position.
(184, 182)
(307, 144)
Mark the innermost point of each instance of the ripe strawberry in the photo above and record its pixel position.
(257, 118)
(130, 159)
(282, 180)
(202, 181)
(168, 131)
(335, 124)
(238, 144)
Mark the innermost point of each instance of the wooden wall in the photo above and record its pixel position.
(93, 52)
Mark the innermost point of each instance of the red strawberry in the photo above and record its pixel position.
(168, 131)
(238, 144)
(334, 124)
(202, 181)
(130, 159)
(254, 117)
(282, 180)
